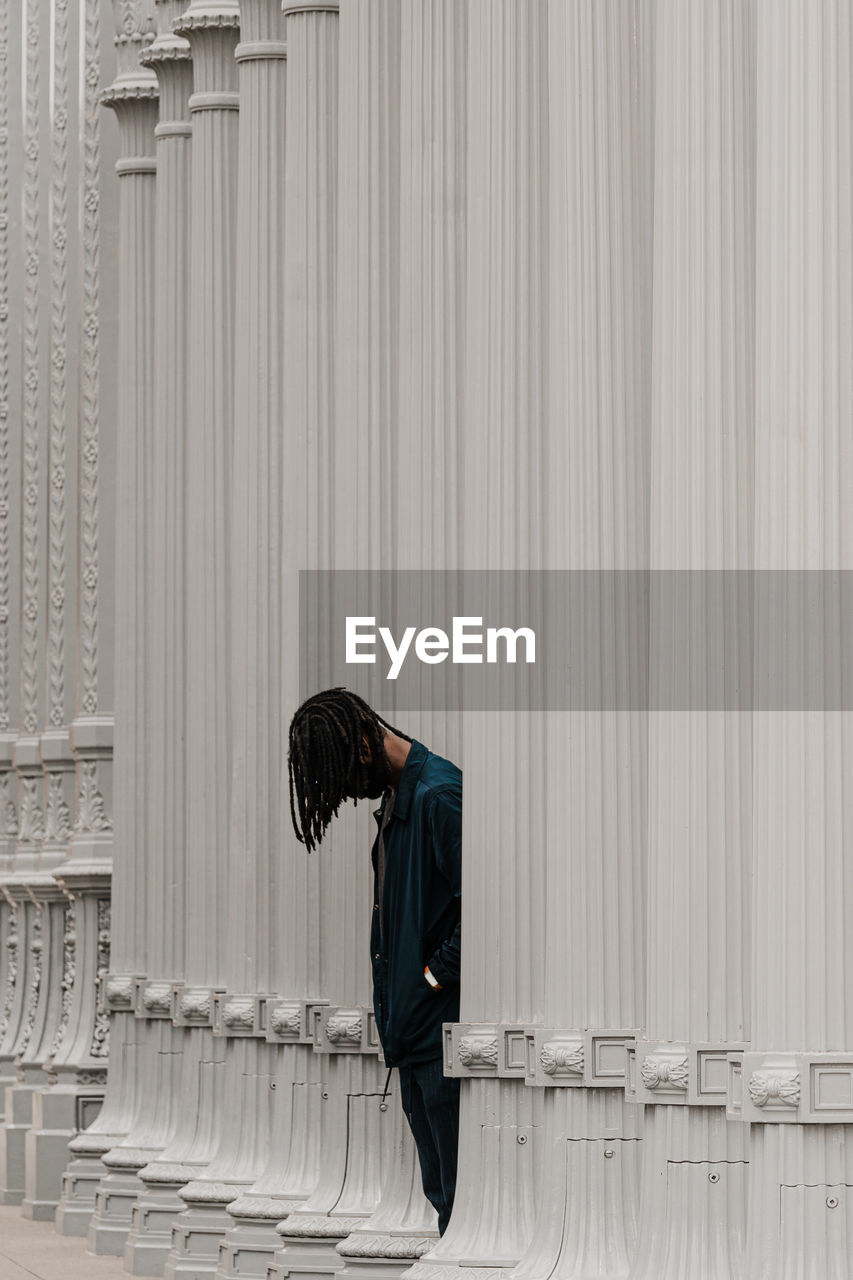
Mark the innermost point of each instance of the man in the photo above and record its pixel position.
(341, 749)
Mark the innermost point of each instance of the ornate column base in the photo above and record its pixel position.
(309, 1246)
(59, 1113)
(199, 1230)
(586, 1222)
(153, 1217)
(692, 1213)
(498, 1122)
(81, 1180)
(382, 1257)
(115, 1197)
(13, 1135)
(252, 1241)
(800, 1201)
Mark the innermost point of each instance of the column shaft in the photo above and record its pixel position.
(802, 1032)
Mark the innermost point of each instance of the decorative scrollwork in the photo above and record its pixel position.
(286, 1019)
(37, 953)
(69, 950)
(344, 1028)
(11, 969)
(195, 1005)
(657, 1071)
(478, 1051)
(774, 1088)
(239, 1015)
(562, 1058)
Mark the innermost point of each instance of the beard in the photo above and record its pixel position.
(377, 776)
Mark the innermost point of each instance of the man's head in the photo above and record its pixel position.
(336, 753)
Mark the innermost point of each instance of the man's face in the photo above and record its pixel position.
(378, 775)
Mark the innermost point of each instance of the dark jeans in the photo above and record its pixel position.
(431, 1105)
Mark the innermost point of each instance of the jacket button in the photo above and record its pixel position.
(377, 955)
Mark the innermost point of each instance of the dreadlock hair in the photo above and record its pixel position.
(324, 758)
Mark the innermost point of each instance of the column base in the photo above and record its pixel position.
(248, 1249)
(13, 1134)
(375, 1268)
(54, 1125)
(112, 1218)
(81, 1180)
(197, 1234)
(153, 1218)
(304, 1259)
(693, 1218)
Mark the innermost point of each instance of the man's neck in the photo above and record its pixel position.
(396, 751)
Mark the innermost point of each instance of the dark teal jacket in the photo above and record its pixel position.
(421, 911)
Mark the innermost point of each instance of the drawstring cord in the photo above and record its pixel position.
(385, 1090)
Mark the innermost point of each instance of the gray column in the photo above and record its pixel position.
(594, 514)
(83, 356)
(349, 527)
(505, 344)
(423, 493)
(133, 98)
(794, 1090)
(252, 928)
(149, 1239)
(32, 409)
(213, 32)
(692, 1212)
(79, 1060)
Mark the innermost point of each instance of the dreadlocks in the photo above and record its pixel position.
(325, 757)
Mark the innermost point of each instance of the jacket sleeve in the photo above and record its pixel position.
(445, 822)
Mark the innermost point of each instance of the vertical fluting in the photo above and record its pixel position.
(594, 509)
(213, 110)
(79, 1055)
(149, 1239)
(261, 460)
(506, 362)
(349, 524)
(133, 98)
(429, 294)
(212, 31)
(310, 234)
(702, 440)
(799, 1208)
(12, 20)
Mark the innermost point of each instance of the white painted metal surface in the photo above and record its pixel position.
(530, 284)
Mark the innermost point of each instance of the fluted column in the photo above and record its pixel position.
(423, 490)
(79, 1059)
(212, 30)
(251, 929)
(45, 1155)
(76, 749)
(309, 1119)
(11, 160)
(692, 1212)
(133, 98)
(505, 345)
(795, 1088)
(33, 412)
(593, 495)
(149, 1239)
(348, 526)
(12, 285)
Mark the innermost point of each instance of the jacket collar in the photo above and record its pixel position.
(415, 761)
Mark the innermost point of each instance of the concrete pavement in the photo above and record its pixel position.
(34, 1249)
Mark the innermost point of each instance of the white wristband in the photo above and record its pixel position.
(430, 979)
